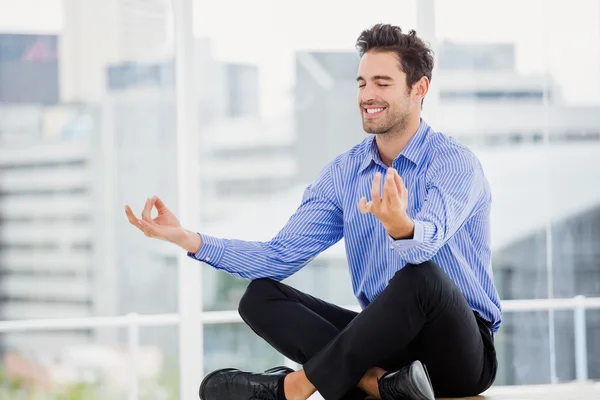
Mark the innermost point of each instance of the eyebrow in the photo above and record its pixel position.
(376, 77)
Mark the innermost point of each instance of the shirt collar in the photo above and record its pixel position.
(414, 150)
(371, 155)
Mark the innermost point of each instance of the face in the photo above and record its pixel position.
(384, 99)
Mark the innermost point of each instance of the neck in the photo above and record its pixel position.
(391, 144)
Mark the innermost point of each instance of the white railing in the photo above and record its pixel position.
(133, 322)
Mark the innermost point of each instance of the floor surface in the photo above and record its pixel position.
(565, 391)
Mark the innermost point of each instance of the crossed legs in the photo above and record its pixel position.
(420, 315)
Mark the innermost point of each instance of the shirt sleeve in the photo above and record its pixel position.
(455, 190)
(316, 225)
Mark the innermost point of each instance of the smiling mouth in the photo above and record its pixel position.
(373, 112)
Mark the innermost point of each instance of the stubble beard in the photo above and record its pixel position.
(394, 125)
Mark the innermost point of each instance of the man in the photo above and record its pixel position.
(418, 253)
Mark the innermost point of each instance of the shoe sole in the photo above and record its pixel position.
(427, 375)
(202, 389)
(279, 369)
(420, 365)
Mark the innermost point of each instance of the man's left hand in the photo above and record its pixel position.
(390, 208)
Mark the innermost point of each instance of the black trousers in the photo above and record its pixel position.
(421, 315)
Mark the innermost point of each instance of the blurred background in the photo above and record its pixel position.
(88, 123)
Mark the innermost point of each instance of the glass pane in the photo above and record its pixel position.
(223, 292)
(522, 347)
(491, 86)
(574, 143)
(237, 346)
(60, 364)
(158, 366)
(534, 124)
(564, 350)
(593, 343)
(88, 365)
(86, 110)
(278, 102)
(574, 149)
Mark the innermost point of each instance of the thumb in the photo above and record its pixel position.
(150, 228)
(363, 206)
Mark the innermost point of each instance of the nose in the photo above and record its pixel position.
(366, 94)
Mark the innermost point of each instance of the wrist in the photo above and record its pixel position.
(404, 230)
(192, 242)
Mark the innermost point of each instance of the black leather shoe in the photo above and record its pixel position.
(409, 383)
(234, 384)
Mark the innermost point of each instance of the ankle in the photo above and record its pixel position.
(369, 383)
(296, 386)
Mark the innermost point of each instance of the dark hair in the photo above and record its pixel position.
(416, 58)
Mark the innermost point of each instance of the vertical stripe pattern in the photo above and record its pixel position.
(449, 202)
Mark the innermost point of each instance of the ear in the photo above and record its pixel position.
(421, 87)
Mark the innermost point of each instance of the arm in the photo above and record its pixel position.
(455, 188)
(316, 225)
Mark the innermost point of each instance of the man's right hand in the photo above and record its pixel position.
(165, 226)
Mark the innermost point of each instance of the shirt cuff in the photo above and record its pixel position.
(407, 244)
(211, 251)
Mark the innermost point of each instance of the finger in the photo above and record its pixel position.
(400, 181)
(386, 188)
(145, 230)
(160, 206)
(132, 218)
(390, 189)
(400, 186)
(363, 206)
(146, 212)
(375, 196)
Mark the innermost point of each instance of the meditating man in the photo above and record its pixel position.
(413, 207)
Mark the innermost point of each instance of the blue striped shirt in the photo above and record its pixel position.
(449, 202)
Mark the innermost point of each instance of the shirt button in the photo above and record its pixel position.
(207, 258)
